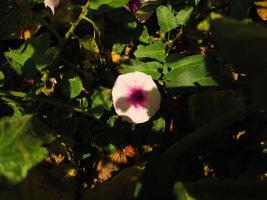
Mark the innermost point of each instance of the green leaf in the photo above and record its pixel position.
(166, 19)
(118, 48)
(17, 110)
(191, 70)
(101, 100)
(71, 84)
(183, 15)
(20, 147)
(89, 47)
(144, 37)
(154, 51)
(159, 125)
(96, 4)
(150, 68)
(2, 78)
(35, 53)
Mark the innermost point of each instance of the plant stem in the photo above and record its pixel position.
(96, 29)
(76, 23)
(50, 101)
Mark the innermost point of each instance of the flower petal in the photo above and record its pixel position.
(136, 115)
(51, 4)
(121, 97)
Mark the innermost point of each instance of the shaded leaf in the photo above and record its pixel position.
(144, 37)
(16, 18)
(20, 146)
(244, 46)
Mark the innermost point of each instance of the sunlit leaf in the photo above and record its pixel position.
(159, 125)
(151, 68)
(20, 146)
(155, 51)
(166, 19)
(183, 15)
(72, 85)
(191, 71)
(33, 54)
(205, 106)
(16, 18)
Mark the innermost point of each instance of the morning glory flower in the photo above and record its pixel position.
(135, 97)
(51, 4)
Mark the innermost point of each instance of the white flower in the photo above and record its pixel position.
(51, 4)
(135, 97)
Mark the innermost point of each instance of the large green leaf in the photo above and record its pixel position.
(166, 19)
(154, 51)
(183, 15)
(20, 146)
(150, 68)
(191, 71)
(34, 53)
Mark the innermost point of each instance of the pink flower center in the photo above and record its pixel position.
(137, 97)
(134, 5)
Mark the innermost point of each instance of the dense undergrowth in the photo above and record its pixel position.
(60, 136)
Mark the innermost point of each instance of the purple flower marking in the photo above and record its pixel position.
(134, 5)
(137, 97)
